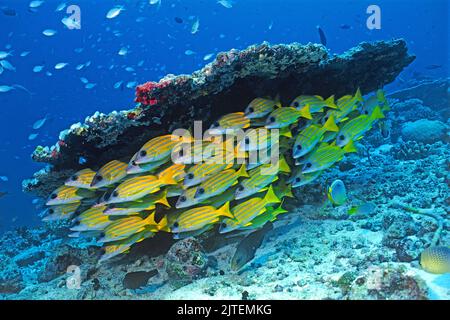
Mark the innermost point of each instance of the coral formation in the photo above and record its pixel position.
(223, 86)
(424, 131)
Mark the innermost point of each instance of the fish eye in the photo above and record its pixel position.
(298, 147)
(298, 179)
(182, 199)
(215, 124)
(223, 225)
(77, 223)
(240, 188)
(115, 194)
(53, 196)
(190, 176)
(133, 163)
(247, 140)
(51, 211)
(201, 191)
(366, 112)
(112, 206)
(176, 224)
(272, 119)
(180, 153)
(251, 109)
(74, 178)
(99, 178)
(296, 104)
(102, 235)
(309, 165)
(341, 137)
(143, 153)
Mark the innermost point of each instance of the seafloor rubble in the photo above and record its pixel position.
(232, 80)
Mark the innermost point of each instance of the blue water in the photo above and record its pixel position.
(161, 43)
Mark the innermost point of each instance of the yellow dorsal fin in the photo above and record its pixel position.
(271, 197)
(358, 95)
(305, 112)
(330, 124)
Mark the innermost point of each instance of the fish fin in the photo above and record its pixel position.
(288, 192)
(166, 177)
(225, 211)
(377, 113)
(286, 132)
(277, 211)
(242, 172)
(284, 167)
(333, 143)
(352, 210)
(358, 95)
(163, 199)
(271, 197)
(330, 124)
(163, 225)
(350, 147)
(150, 220)
(330, 103)
(278, 101)
(305, 112)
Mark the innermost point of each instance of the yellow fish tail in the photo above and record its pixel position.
(330, 103)
(163, 199)
(350, 147)
(242, 172)
(330, 124)
(286, 132)
(305, 112)
(225, 211)
(284, 167)
(271, 197)
(377, 114)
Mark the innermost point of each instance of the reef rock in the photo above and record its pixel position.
(227, 84)
(424, 130)
(185, 261)
(380, 283)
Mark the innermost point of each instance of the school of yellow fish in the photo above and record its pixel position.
(187, 186)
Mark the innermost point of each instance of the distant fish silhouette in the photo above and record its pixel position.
(323, 38)
(8, 11)
(345, 26)
(178, 20)
(2, 194)
(433, 66)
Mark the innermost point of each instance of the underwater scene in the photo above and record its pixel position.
(224, 150)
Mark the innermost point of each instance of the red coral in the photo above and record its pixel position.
(144, 92)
